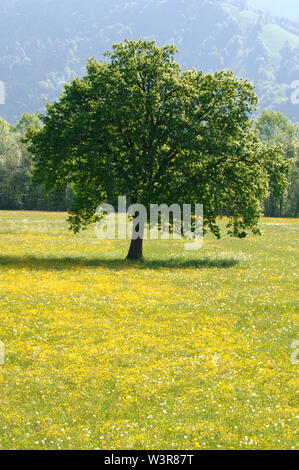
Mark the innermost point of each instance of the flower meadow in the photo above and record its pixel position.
(184, 350)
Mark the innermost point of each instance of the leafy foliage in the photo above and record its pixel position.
(275, 128)
(136, 125)
(16, 189)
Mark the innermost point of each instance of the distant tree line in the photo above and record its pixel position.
(16, 189)
(18, 193)
(274, 127)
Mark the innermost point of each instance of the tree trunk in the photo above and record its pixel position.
(280, 207)
(135, 250)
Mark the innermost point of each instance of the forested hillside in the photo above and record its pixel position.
(44, 43)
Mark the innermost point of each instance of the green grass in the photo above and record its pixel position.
(185, 350)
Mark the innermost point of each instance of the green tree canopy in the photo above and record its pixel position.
(27, 120)
(137, 125)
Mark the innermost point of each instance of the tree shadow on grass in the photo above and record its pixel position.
(67, 263)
